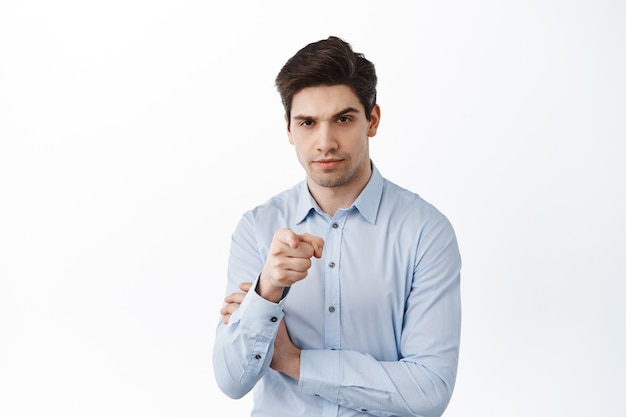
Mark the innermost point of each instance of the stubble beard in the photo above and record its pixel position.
(334, 177)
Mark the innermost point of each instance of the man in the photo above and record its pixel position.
(343, 291)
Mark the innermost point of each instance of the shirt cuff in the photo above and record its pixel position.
(320, 373)
(258, 313)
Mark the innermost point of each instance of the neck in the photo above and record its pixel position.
(331, 199)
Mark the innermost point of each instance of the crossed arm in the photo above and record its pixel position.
(286, 358)
(288, 261)
(419, 384)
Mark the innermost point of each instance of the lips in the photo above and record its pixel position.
(327, 163)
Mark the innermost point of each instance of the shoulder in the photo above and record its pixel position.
(401, 201)
(279, 206)
(413, 219)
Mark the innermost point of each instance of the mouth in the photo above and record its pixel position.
(327, 164)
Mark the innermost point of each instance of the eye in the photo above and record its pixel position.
(343, 119)
(308, 122)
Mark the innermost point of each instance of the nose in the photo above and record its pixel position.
(326, 139)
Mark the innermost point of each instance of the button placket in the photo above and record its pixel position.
(332, 254)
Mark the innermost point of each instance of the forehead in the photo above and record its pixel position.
(324, 100)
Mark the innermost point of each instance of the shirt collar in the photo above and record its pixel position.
(367, 202)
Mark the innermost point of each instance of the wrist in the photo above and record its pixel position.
(268, 291)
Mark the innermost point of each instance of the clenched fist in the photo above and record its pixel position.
(288, 262)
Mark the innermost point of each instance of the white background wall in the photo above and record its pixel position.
(133, 134)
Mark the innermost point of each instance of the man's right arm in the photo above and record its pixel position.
(244, 342)
(243, 347)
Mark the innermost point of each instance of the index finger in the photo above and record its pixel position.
(315, 241)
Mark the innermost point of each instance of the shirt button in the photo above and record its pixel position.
(335, 225)
(273, 319)
(257, 357)
(331, 309)
(332, 264)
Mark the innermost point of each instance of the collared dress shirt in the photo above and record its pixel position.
(378, 317)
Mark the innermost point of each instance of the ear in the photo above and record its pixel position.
(374, 120)
(288, 129)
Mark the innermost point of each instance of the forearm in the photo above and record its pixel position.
(243, 348)
(360, 382)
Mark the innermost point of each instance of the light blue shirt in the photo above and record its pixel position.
(378, 317)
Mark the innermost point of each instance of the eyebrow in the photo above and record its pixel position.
(334, 116)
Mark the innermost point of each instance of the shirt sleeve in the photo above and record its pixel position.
(243, 348)
(421, 382)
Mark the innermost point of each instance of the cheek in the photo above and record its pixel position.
(300, 153)
(298, 148)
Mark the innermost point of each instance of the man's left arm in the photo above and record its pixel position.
(421, 382)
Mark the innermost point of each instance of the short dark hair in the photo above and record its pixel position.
(328, 62)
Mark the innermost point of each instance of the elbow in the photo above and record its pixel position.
(229, 384)
(438, 407)
(232, 389)
(435, 393)
(227, 379)
(433, 405)
(439, 400)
